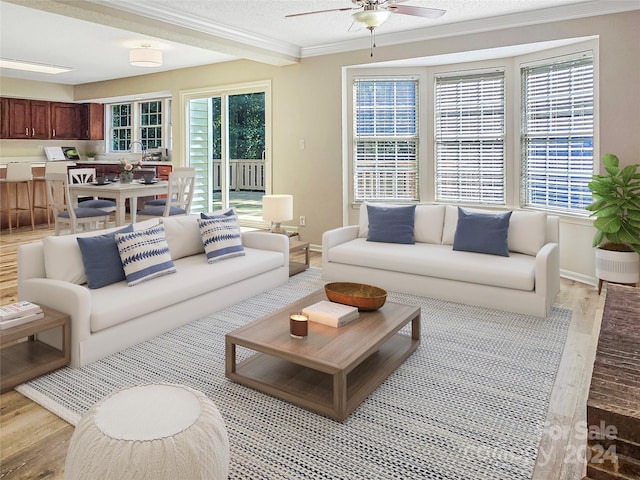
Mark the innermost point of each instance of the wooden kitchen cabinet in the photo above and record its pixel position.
(92, 121)
(37, 119)
(4, 118)
(27, 119)
(65, 120)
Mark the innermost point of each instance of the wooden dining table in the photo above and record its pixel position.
(119, 192)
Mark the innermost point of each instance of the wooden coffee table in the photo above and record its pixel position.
(332, 370)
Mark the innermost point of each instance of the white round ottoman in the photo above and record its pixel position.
(154, 432)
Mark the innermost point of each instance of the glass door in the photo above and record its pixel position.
(227, 145)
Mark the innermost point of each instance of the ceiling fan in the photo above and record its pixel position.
(373, 13)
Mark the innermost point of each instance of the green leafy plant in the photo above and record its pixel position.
(91, 154)
(616, 206)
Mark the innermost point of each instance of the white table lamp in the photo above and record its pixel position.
(277, 209)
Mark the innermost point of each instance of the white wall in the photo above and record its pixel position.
(307, 104)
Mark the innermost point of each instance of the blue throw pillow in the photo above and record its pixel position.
(391, 224)
(482, 232)
(218, 213)
(101, 258)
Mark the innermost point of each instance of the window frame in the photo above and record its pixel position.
(136, 125)
(471, 143)
(380, 140)
(550, 62)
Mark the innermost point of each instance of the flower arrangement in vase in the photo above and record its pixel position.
(127, 169)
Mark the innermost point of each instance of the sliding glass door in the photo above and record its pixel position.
(227, 143)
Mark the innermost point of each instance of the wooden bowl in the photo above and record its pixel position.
(365, 297)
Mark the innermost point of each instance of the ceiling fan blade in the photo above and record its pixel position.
(416, 11)
(319, 11)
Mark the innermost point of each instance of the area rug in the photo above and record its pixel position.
(470, 403)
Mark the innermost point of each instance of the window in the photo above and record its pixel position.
(143, 122)
(151, 124)
(469, 139)
(385, 158)
(557, 135)
(120, 127)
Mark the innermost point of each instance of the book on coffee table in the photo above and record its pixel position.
(331, 313)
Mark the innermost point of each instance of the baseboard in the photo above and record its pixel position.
(579, 277)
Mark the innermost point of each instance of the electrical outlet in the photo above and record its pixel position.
(303, 221)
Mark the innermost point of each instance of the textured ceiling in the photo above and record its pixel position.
(94, 36)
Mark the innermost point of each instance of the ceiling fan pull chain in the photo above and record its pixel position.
(373, 42)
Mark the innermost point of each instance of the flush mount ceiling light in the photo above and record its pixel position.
(145, 57)
(32, 67)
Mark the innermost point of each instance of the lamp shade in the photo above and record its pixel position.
(277, 208)
(145, 57)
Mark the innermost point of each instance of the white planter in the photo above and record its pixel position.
(618, 267)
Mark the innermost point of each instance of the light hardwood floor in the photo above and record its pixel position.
(34, 442)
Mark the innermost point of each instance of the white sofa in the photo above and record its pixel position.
(109, 319)
(527, 281)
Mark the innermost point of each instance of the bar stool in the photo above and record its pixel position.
(17, 174)
(50, 167)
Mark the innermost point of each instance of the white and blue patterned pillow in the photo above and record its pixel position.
(221, 237)
(144, 254)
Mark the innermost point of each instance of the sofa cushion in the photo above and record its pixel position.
(144, 254)
(429, 222)
(440, 261)
(101, 259)
(527, 232)
(221, 237)
(391, 224)
(116, 303)
(482, 232)
(62, 257)
(183, 235)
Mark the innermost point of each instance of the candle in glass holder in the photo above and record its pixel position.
(298, 325)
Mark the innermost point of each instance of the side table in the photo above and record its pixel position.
(24, 357)
(297, 267)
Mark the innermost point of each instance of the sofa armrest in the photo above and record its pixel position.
(267, 241)
(30, 261)
(69, 298)
(336, 236)
(548, 272)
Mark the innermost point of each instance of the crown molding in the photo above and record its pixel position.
(180, 19)
(521, 19)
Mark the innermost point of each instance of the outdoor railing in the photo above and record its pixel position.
(243, 175)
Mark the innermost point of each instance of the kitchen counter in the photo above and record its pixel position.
(42, 162)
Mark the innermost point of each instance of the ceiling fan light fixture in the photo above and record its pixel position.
(371, 18)
(145, 57)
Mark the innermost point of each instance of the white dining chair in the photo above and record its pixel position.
(179, 196)
(18, 174)
(88, 175)
(63, 211)
(50, 167)
(163, 201)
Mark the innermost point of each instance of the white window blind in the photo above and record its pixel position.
(385, 165)
(557, 136)
(469, 138)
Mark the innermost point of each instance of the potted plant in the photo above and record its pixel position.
(616, 208)
(91, 155)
